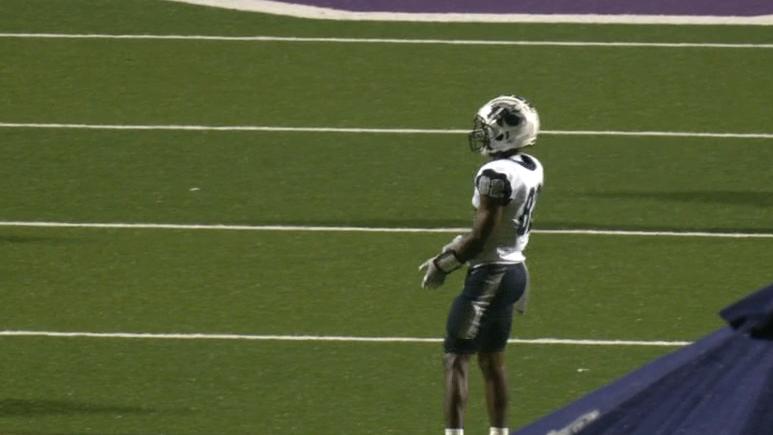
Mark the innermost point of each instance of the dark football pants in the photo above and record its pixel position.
(481, 316)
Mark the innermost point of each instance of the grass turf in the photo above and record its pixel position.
(88, 386)
(376, 180)
(380, 85)
(348, 284)
(351, 284)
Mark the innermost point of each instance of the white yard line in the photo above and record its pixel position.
(348, 339)
(411, 41)
(659, 233)
(349, 229)
(267, 128)
(234, 128)
(658, 134)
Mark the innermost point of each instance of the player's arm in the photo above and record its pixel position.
(463, 248)
(487, 216)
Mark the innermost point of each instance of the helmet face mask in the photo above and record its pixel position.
(480, 136)
(503, 124)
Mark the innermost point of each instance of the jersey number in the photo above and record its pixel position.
(524, 221)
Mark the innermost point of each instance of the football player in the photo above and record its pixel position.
(479, 320)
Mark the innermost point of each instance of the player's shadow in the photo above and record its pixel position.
(43, 407)
(728, 197)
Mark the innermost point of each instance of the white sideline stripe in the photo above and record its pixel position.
(316, 12)
(385, 40)
(302, 228)
(376, 130)
(326, 338)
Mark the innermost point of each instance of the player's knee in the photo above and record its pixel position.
(491, 364)
(456, 362)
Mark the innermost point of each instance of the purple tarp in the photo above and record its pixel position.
(720, 385)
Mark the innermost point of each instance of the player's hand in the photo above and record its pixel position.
(433, 277)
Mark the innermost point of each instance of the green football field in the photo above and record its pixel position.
(256, 270)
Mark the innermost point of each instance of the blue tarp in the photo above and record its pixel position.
(720, 385)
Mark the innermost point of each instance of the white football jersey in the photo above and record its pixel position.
(516, 181)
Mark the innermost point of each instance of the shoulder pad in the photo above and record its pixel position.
(527, 162)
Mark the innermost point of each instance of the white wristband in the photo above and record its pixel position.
(447, 262)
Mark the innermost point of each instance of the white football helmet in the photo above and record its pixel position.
(503, 124)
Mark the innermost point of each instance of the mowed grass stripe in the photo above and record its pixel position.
(268, 128)
(295, 39)
(350, 229)
(349, 339)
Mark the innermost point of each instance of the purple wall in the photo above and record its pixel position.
(613, 7)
